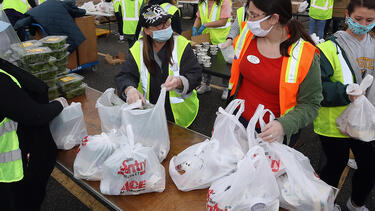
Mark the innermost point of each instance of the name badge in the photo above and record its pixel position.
(253, 59)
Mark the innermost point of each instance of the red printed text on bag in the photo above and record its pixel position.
(211, 205)
(134, 186)
(132, 168)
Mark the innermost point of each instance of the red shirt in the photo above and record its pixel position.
(260, 82)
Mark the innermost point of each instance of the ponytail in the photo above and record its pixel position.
(296, 31)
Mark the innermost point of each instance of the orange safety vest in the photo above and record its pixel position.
(293, 71)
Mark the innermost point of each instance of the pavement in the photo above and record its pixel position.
(59, 198)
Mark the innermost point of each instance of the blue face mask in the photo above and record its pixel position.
(163, 34)
(357, 28)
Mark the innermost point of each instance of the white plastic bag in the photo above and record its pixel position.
(149, 125)
(251, 187)
(228, 53)
(131, 170)
(69, 128)
(303, 6)
(93, 151)
(358, 119)
(299, 186)
(109, 109)
(201, 164)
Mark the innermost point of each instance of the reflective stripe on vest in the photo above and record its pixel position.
(130, 18)
(11, 169)
(294, 68)
(116, 4)
(19, 5)
(184, 108)
(217, 34)
(170, 8)
(321, 10)
(325, 122)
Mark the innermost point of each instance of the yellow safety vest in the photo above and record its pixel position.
(325, 123)
(41, 2)
(130, 15)
(321, 9)
(11, 169)
(170, 8)
(116, 4)
(19, 5)
(241, 17)
(218, 34)
(184, 108)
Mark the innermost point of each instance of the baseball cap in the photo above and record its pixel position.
(153, 15)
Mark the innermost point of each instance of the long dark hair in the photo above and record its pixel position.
(218, 2)
(284, 9)
(369, 4)
(147, 48)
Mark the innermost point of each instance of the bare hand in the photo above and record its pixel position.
(63, 101)
(172, 83)
(133, 95)
(273, 131)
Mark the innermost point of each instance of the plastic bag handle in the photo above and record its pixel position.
(130, 134)
(366, 82)
(233, 105)
(161, 99)
(251, 133)
(261, 118)
(234, 119)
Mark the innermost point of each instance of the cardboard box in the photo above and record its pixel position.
(72, 60)
(195, 40)
(88, 50)
(114, 60)
(339, 7)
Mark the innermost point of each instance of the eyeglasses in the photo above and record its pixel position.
(163, 25)
(252, 15)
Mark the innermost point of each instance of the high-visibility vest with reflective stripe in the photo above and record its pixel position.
(184, 108)
(116, 4)
(293, 71)
(130, 15)
(321, 9)
(41, 2)
(217, 34)
(170, 8)
(19, 5)
(241, 16)
(325, 123)
(11, 169)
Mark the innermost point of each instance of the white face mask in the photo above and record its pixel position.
(255, 28)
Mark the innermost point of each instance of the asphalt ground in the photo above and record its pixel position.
(59, 198)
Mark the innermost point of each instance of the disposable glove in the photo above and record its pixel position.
(195, 31)
(201, 29)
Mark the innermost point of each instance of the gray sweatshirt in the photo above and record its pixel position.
(361, 55)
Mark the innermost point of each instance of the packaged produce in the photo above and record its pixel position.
(40, 66)
(49, 74)
(63, 60)
(38, 75)
(20, 47)
(53, 93)
(54, 42)
(50, 83)
(62, 72)
(60, 53)
(34, 55)
(69, 82)
(81, 90)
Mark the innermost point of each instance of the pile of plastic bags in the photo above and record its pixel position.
(126, 156)
(245, 173)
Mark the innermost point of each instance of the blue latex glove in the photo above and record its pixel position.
(201, 29)
(195, 31)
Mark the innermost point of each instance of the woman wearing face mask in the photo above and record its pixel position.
(347, 57)
(168, 60)
(276, 64)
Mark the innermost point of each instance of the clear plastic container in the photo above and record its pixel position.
(35, 55)
(51, 83)
(40, 66)
(19, 47)
(54, 42)
(78, 91)
(69, 81)
(63, 60)
(38, 75)
(53, 93)
(49, 74)
(60, 53)
(62, 72)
